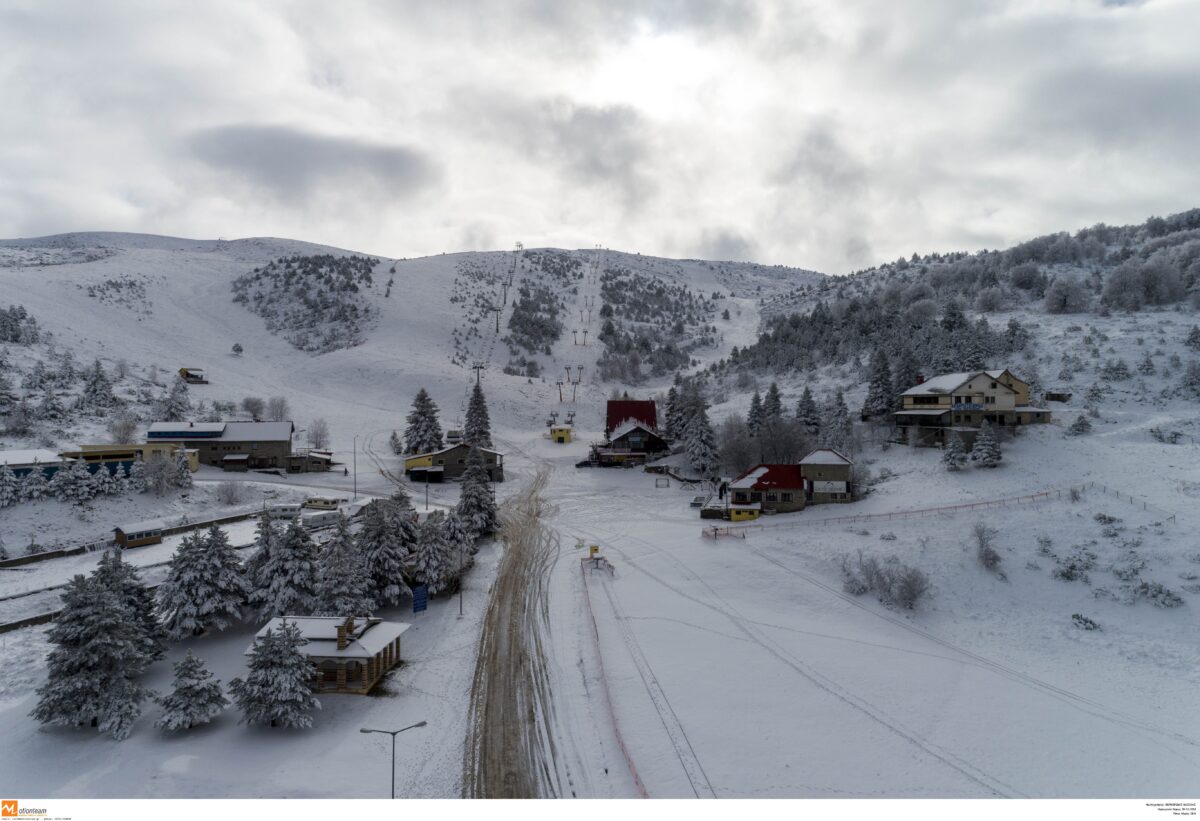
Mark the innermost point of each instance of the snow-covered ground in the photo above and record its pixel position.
(730, 667)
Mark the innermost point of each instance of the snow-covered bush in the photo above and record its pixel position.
(985, 548)
(891, 581)
(1083, 622)
(1157, 593)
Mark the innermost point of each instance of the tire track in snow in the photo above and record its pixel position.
(990, 783)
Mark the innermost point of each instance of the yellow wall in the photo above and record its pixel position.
(560, 431)
(425, 461)
(742, 515)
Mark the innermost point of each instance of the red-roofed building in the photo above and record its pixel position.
(623, 410)
(774, 488)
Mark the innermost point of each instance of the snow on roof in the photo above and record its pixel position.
(825, 456)
(162, 428)
(141, 527)
(944, 383)
(369, 638)
(765, 476)
(627, 426)
(449, 448)
(39, 456)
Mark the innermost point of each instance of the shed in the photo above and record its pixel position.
(137, 534)
(560, 434)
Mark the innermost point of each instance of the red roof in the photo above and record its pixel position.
(771, 476)
(621, 410)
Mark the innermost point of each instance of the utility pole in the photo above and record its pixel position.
(477, 367)
(356, 468)
(560, 384)
(585, 337)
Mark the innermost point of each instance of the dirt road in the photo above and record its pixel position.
(510, 747)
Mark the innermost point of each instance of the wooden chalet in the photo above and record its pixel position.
(766, 488)
(630, 443)
(349, 654)
(963, 402)
(450, 463)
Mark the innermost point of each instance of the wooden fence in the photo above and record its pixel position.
(943, 510)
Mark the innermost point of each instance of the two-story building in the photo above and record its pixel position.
(964, 401)
(451, 463)
(230, 445)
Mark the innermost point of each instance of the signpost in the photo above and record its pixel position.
(420, 598)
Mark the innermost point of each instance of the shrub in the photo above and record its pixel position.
(229, 492)
(985, 550)
(1157, 593)
(893, 582)
(1083, 622)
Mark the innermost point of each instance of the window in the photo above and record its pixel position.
(787, 497)
(990, 400)
(756, 496)
(993, 386)
(772, 497)
(924, 400)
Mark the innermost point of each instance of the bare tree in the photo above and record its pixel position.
(229, 492)
(122, 427)
(278, 409)
(253, 406)
(318, 433)
(985, 550)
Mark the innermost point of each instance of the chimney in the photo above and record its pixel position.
(341, 637)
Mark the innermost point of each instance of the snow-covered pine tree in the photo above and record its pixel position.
(395, 443)
(1080, 426)
(278, 688)
(459, 548)
(138, 481)
(34, 485)
(195, 697)
(754, 417)
(906, 374)
(173, 405)
(73, 483)
(20, 421)
(10, 487)
(126, 582)
(286, 583)
(343, 586)
(1146, 366)
(880, 400)
(477, 427)
(205, 588)
(183, 473)
(430, 561)
(836, 425)
(1193, 338)
(104, 483)
(986, 450)
(1189, 381)
(954, 457)
(265, 534)
(97, 388)
(772, 405)
(700, 443)
(476, 505)
(51, 408)
(386, 540)
(670, 414)
(93, 667)
(807, 414)
(424, 431)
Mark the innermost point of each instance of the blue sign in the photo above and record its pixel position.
(420, 598)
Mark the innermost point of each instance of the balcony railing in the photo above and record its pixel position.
(967, 406)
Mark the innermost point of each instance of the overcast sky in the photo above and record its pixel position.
(826, 135)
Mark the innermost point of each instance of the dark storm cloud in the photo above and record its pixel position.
(726, 244)
(291, 164)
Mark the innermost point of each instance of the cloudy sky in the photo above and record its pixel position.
(827, 135)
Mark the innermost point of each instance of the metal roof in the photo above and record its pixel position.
(825, 456)
(224, 431)
(620, 410)
(768, 476)
(33, 456)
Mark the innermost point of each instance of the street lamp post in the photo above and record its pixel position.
(393, 734)
(355, 468)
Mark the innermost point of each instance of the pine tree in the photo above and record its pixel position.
(51, 408)
(265, 534)
(97, 388)
(987, 449)
(772, 405)
(477, 428)
(104, 483)
(954, 457)
(73, 483)
(807, 414)
(183, 473)
(10, 487)
(343, 586)
(836, 425)
(669, 427)
(880, 399)
(1146, 366)
(754, 417)
(173, 405)
(1080, 426)
(430, 559)
(138, 481)
(34, 485)
(396, 445)
(205, 588)
(700, 444)
(424, 432)
(286, 583)
(278, 688)
(1193, 338)
(20, 421)
(96, 658)
(386, 541)
(476, 505)
(907, 374)
(126, 582)
(459, 547)
(195, 697)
